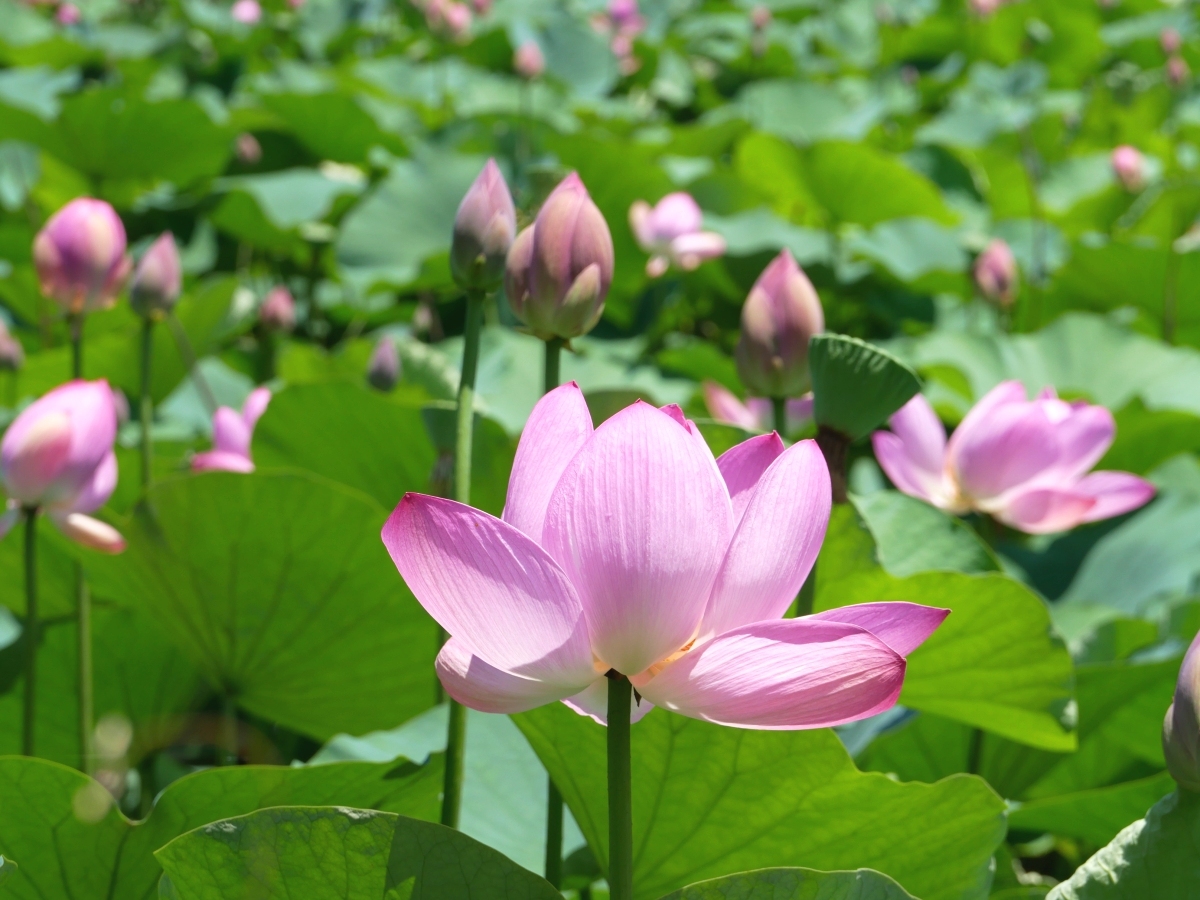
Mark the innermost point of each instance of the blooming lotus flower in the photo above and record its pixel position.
(484, 228)
(996, 273)
(670, 231)
(528, 60)
(278, 310)
(1025, 462)
(1129, 166)
(629, 549)
(383, 371)
(232, 432)
(1181, 727)
(158, 278)
(248, 12)
(779, 317)
(560, 267)
(57, 456)
(757, 413)
(80, 256)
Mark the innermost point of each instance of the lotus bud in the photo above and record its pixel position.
(481, 7)
(1177, 71)
(1170, 40)
(12, 354)
(760, 17)
(996, 274)
(68, 14)
(157, 279)
(528, 61)
(624, 14)
(779, 317)
(384, 369)
(1129, 166)
(80, 256)
(560, 268)
(484, 228)
(248, 12)
(278, 310)
(247, 148)
(1181, 728)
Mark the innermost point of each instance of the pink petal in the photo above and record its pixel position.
(1008, 448)
(921, 432)
(787, 674)
(892, 457)
(231, 434)
(1115, 493)
(1083, 437)
(776, 542)
(255, 406)
(493, 588)
(742, 465)
(89, 532)
(724, 406)
(640, 520)
(474, 683)
(96, 492)
(902, 626)
(221, 461)
(34, 456)
(592, 701)
(689, 250)
(799, 412)
(1045, 510)
(559, 425)
(763, 412)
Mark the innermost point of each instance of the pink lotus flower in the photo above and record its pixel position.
(1170, 40)
(232, 432)
(1025, 462)
(1129, 166)
(996, 274)
(1177, 71)
(58, 457)
(278, 310)
(756, 414)
(158, 278)
(68, 14)
(629, 548)
(528, 60)
(80, 256)
(247, 148)
(670, 231)
(484, 228)
(248, 12)
(12, 354)
(984, 8)
(1181, 727)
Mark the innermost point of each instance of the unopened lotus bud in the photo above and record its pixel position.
(278, 310)
(1129, 166)
(1181, 728)
(528, 61)
(484, 228)
(560, 268)
(12, 354)
(1177, 71)
(779, 317)
(68, 14)
(157, 279)
(384, 369)
(1170, 40)
(760, 17)
(247, 148)
(80, 256)
(996, 274)
(248, 12)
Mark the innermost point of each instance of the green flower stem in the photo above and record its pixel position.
(779, 408)
(75, 327)
(554, 800)
(146, 413)
(83, 600)
(457, 731)
(32, 631)
(620, 799)
(553, 358)
(227, 753)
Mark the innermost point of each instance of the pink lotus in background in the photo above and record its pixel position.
(80, 256)
(1025, 462)
(1170, 40)
(12, 353)
(670, 231)
(1181, 726)
(158, 278)
(996, 274)
(278, 310)
(247, 148)
(630, 549)
(1177, 71)
(1129, 166)
(58, 456)
(232, 432)
(757, 413)
(528, 60)
(248, 12)
(68, 14)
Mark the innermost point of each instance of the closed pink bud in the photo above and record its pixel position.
(779, 317)
(248, 12)
(1170, 40)
(248, 149)
(624, 14)
(1130, 167)
(68, 14)
(80, 256)
(996, 273)
(1177, 71)
(528, 61)
(12, 354)
(760, 17)
(157, 280)
(561, 291)
(278, 310)
(484, 228)
(58, 456)
(384, 369)
(1181, 728)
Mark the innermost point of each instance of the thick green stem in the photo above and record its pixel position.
(146, 413)
(228, 752)
(620, 791)
(457, 731)
(86, 698)
(551, 370)
(75, 326)
(779, 408)
(554, 835)
(32, 631)
(975, 751)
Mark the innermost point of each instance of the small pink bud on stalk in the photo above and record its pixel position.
(760, 18)
(68, 14)
(247, 148)
(80, 256)
(384, 369)
(278, 310)
(779, 317)
(996, 274)
(560, 267)
(1177, 71)
(12, 354)
(484, 228)
(57, 456)
(157, 280)
(1129, 166)
(248, 12)
(528, 61)
(1170, 40)
(1181, 727)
